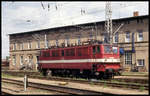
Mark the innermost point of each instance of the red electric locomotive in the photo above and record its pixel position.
(97, 60)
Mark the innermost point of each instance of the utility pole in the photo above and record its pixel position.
(46, 41)
(108, 22)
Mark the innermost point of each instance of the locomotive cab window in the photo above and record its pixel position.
(114, 49)
(107, 49)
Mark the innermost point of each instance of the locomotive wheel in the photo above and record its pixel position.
(48, 73)
(44, 72)
(108, 76)
(100, 76)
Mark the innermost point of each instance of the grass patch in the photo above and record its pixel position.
(81, 79)
(91, 83)
(136, 73)
(7, 75)
(142, 88)
(105, 85)
(114, 81)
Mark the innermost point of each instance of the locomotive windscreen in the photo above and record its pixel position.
(109, 49)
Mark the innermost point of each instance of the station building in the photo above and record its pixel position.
(132, 38)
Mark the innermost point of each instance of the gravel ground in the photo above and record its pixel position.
(89, 87)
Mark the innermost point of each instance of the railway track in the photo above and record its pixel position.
(72, 91)
(96, 82)
(124, 84)
(37, 75)
(5, 93)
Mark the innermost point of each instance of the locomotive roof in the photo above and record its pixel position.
(73, 47)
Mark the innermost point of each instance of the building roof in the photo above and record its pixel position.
(120, 19)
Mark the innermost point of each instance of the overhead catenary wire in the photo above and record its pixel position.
(48, 7)
(82, 11)
(87, 13)
(42, 5)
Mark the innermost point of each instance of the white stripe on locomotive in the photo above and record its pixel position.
(81, 61)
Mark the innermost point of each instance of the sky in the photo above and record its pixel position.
(26, 16)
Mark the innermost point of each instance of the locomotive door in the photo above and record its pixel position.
(94, 57)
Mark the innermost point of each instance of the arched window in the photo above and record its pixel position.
(57, 42)
(127, 39)
(29, 45)
(38, 44)
(21, 60)
(79, 40)
(140, 35)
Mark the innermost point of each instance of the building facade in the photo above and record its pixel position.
(132, 38)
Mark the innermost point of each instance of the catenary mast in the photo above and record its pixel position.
(108, 22)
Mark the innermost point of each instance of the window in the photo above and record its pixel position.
(21, 60)
(107, 49)
(127, 39)
(139, 20)
(57, 42)
(30, 60)
(38, 44)
(140, 35)
(114, 49)
(79, 50)
(14, 46)
(62, 52)
(46, 54)
(55, 53)
(91, 35)
(141, 62)
(14, 60)
(116, 37)
(70, 52)
(128, 58)
(79, 41)
(106, 39)
(46, 44)
(98, 49)
(94, 49)
(67, 41)
(21, 46)
(29, 45)
(49, 44)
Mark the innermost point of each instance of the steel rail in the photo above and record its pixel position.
(63, 89)
(5, 93)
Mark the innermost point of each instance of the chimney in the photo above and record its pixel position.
(136, 13)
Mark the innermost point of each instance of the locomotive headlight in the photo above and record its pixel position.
(96, 73)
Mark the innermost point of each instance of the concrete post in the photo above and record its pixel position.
(25, 82)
